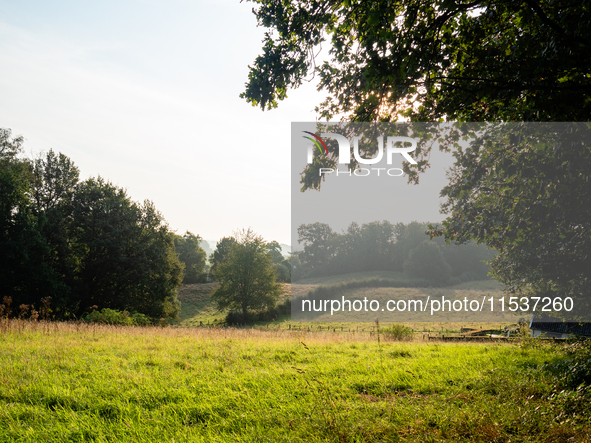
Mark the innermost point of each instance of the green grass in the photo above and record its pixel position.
(196, 305)
(479, 285)
(353, 276)
(197, 308)
(68, 383)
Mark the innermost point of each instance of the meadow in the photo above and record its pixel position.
(197, 309)
(68, 382)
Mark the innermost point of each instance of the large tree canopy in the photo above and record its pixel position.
(462, 60)
(524, 191)
(125, 252)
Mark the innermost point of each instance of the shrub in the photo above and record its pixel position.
(139, 319)
(238, 318)
(115, 317)
(397, 332)
(574, 371)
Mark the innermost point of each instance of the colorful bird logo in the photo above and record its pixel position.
(317, 141)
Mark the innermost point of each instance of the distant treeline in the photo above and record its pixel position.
(383, 246)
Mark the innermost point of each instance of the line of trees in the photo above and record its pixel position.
(383, 246)
(82, 243)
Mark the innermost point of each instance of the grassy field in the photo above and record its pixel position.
(73, 382)
(353, 276)
(196, 306)
(197, 309)
(484, 285)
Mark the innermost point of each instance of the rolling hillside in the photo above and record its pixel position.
(197, 309)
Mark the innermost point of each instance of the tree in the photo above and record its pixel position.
(54, 180)
(81, 244)
(468, 261)
(26, 261)
(193, 256)
(426, 262)
(275, 251)
(411, 237)
(16, 220)
(524, 189)
(459, 60)
(294, 266)
(125, 252)
(364, 248)
(246, 276)
(280, 263)
(319, 248)
(463, 61)
(219, 255)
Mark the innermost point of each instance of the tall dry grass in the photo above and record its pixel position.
(276, 334)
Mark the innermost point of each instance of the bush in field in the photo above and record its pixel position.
(572, 388)
(271, 314)
(397, 332)
(140, 319)
(114, 317)
(575, 370)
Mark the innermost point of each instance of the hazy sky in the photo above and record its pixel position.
(145, 94)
